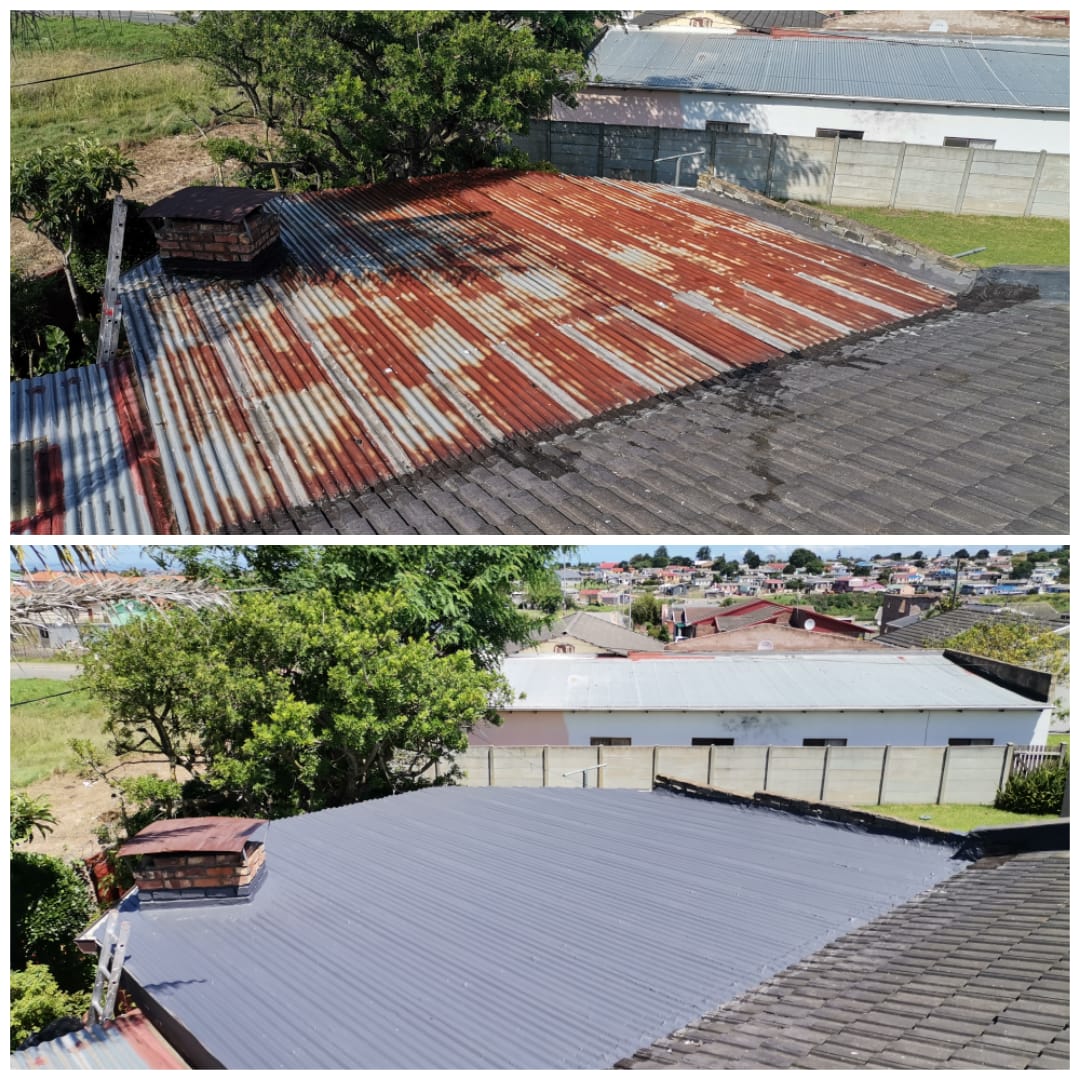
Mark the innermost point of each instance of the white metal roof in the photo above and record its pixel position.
(773, 681)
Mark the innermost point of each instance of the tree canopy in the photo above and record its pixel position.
(1015, 643)
(357, 96)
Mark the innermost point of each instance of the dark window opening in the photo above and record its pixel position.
(608, 740)
(726, 127)
(824, 742)
(971, 742)
(838, 133)
(712, 742)
(978, 144)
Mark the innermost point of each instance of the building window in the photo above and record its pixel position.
(726, 127)
(701, 22)
(978, 144)
(838, 133)
(563, 647)
(824, 742)
(971, 742)
(712, 742)
(608, 740)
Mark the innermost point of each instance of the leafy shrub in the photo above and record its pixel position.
(50, 906)
(38, 345)
(1040, 791)
(37, 1000)
(28, 816)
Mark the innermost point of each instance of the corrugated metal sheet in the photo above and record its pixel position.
(1004, 73)
(418, 322)
(750, 681)
(473, 928)
(129, 1042)
(195, 834)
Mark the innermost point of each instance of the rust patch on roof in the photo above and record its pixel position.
(218, 834)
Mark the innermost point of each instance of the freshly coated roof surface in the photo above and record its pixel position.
(599, 632)
(415, 324)
(129, 1042)
(960, 424)
(774, 681)
(854, 69)
(473, 928)
(933, 631)
(972, 974)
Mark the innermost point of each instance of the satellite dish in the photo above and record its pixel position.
(809, 624)
(939, 26)
(765, 646)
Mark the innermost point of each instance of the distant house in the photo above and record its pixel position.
(693, 623)
(940, 93)
(584, 634)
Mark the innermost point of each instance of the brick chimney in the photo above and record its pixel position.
(216, 230)
(197, 860)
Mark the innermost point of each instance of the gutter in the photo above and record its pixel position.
(769, 708)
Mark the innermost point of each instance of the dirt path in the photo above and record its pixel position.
(164, 166)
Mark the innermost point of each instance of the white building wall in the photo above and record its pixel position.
(923, 124)
(789, 729)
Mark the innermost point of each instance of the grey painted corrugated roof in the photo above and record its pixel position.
(863, 69)
(471, 928)
(834, 680)
(599, 632)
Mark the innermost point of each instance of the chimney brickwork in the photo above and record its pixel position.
(224, 242)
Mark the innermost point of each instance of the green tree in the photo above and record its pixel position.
(29, 815)
(645, 610)
(704, 554)
(961, 554)
(58, 191)
(982, 553)
(660, 557)
(1015, 643)
(805, 559)
(752, 559)
(288, 704)
(37, 1000)
(356, 96)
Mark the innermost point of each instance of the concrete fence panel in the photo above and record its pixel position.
(1050, 197)
(912, 774)
(473, 764)
(795, 771)
(853, 775)
(518, 766)
(627, 767)
(969, 775)
(738, 768)
(683, 763)
(565, 765)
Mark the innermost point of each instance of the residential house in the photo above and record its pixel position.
(725, 21)
(694, 621)
(940, 93)
(857, 698)
(584, 634)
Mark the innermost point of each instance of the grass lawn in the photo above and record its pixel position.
(127, 107)
(1009, 240)
(41, 732)
(959, 817)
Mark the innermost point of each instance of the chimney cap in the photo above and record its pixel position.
(217, 834)
(208, 203)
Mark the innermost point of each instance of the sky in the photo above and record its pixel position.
(123, 557)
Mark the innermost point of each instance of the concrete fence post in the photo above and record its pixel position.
(944, 770)
(769, 167)
(962, 193)
(824, 773)
(832, 169)
(491, 766)
(655, 155)
(544, 767)
(655, 761)
(765, 780)
(1035, 181)
(712, 755)
(599, 761)
(884, 773)
(897, 175)
(1006, 766)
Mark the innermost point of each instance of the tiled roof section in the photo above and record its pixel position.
(972, 974)
(958, 424)
(420, 322)
(599, 632)
(933, 631)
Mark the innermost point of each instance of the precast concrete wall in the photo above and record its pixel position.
(847, 775)
(836, 172)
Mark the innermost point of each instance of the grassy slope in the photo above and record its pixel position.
(41, 732)
(1019, 241)
(127, 107)
(959, 817)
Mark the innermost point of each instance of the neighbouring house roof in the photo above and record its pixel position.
(508, 928)
(902, 433)
(973, 973)
(857, 69)
(931, 632)
(752, 20)
(128, 1042)
(412, 325)
(855, 681)
(600, 632)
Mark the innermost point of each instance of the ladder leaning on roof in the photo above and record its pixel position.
(110, 965)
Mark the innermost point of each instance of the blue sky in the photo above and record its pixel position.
(131, 556)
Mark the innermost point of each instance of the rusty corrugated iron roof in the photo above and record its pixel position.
(417, 322)
(220, 834)
(128, 1042)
